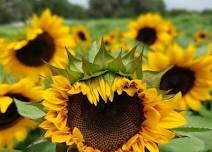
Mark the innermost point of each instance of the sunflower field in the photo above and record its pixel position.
(110, 85)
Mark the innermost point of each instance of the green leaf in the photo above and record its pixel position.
(198, 121)
(72, 149)
(89, 68)
(207, 138)
(41, 146)
(130, 56)
(188, 144)
(145, 47)
(117, 65)
(73, 62)
(47, 82)
(33, 137)
(135, 66)
(57, 71)
(102, 58)
(205, 113)
(74, 76)
(25, 109)
(139, 73)
(94, 75)
(61, 148)
(201, 122)
(191, 129)
(153, 78)
(93, 52)
(109, 77)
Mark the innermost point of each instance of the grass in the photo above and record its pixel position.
(186, 25)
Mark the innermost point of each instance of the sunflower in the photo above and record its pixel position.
(1, 40)
(45, 41)
(187, 74)
(171, 29)
(150, 29)
(13, 127)
(2, 44)
(81, 35)
(201, 36)
(114, 40)
(109, 38)
(210, 48)
(105, 111)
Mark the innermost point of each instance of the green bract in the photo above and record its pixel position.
(100, 62)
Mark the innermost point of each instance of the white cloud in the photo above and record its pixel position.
(83, 3)
(189, 4)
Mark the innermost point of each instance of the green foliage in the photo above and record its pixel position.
(117, 65)
(191, 129)
(14, 10)
(197, 134)
(41, 146)
(90, 68)
(102, 57)
(183, 24)
(207, 12)
(28, 110)
(21, 10)
(117, 8)
(61, 7)
(152, 78)
(100, 63)
(176, 12)
(109, 77)
(187, 144)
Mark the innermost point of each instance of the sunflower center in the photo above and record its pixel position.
(177, 79)
(40, 49)
(106, 126)
(82, 36)
(202, 35)
(147, 35)
(8, 118)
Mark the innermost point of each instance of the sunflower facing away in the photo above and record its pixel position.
(150, 29)
(188, 74)
(107, 107)
(81, 36)
(45, 41)
(13, 127)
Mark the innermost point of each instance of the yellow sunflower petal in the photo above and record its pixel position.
(151, 146)
(5, 103)
(193, 103)
(172, 120)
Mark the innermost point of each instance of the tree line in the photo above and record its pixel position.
(21, 10)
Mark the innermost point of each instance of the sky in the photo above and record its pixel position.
(171, 4)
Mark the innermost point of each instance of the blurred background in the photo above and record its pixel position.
(110, 13)
(21, 10)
